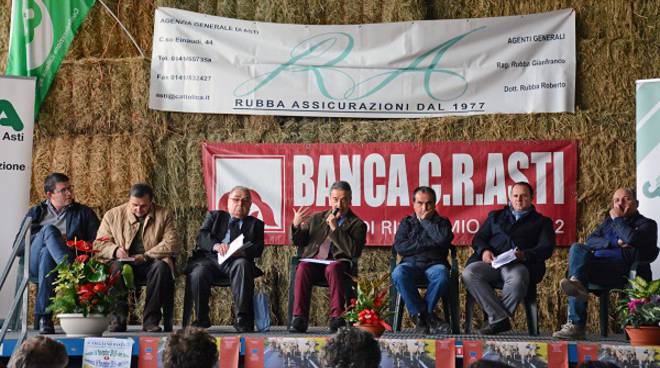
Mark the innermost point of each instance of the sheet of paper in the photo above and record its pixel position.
(234, 247)
(504, 258)
(314, 260)
(127, 259)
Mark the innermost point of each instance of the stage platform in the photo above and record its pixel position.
(75, 346)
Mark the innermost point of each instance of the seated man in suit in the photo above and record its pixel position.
(54, 221)
(517, 226)
(336, 235)
(623, 237)
(144, 232)
(423, 240)
(219, 229)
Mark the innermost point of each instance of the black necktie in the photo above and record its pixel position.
(234, 229)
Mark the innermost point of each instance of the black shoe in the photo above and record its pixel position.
(243, 324)
(422, 323)
(298, 325)
(154, 328)
(438, 326)
(336, 323)
(496, 328)
(46, 326)
(117, 324)
(205, 324)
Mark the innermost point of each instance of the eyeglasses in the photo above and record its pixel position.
(68, 189)
(239, 199)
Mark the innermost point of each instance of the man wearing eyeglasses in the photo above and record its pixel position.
(141, 233)
(219, 229)
(55, 220)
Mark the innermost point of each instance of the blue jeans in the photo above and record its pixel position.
(46, 251)
(578, 259)
(405, 277)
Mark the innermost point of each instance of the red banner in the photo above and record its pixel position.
(469, 178)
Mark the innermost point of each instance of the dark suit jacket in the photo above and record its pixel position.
(213, 230)
(424, 243)
(533, 234)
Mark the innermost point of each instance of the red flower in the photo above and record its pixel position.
(82, 258)
(85, 292)
(103, 239)
(100, 287)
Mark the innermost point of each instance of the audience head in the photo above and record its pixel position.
(58, 190)
(486, 363)
(340, 196)
(190, 348)
(239, 202)
(39, 352)
(140, 199)
(351, 347)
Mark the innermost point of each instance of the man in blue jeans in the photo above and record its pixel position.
(623, 237)
(423, 240)
(54, 221)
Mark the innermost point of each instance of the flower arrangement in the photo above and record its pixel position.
(370, 305)
(640, 303)
(85, 285)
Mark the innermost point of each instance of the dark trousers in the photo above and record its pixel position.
(160, 287)
(240, 272)
(307, 274)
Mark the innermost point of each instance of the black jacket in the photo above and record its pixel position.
(81, 223)
(636, 230)
(424, 243)
(213, 230)
(533, 234)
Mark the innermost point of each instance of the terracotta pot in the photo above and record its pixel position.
(376, 330)
(76, 325)
(644, 335)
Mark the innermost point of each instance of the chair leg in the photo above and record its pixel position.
(187, 304)
(398, 313)
(532, 313)
(604, 301)
(168, 314)
(292, 284)
(454, 312)
(469, 306)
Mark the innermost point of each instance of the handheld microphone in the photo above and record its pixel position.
(335, 211)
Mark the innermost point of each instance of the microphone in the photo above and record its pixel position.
(335, 211)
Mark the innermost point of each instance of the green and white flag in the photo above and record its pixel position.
(648, 152)
(41, 32)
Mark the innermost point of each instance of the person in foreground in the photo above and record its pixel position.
(516, 227)
(423, 240)
(141, 233)
(219, 229)
(39, 352)
(191, 347)
(335, 235)
(624, 236)
(56, 220)
(351, 347)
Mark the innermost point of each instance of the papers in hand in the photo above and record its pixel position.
(314, 260)
(127, 259)
(504, 258)
(234, 247)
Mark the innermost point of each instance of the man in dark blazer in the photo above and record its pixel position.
(336, 235)
(219, 229)
(517, 226)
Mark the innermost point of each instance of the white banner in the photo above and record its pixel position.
(648, 152)
(516, 64)
(16, 130)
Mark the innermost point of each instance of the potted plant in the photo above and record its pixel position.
(369, 309)
(639, 311)
(85, 292)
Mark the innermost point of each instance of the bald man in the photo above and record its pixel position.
(622, 238)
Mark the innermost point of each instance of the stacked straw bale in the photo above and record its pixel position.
(95, 124)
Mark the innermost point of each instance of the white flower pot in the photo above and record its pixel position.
(77, 325)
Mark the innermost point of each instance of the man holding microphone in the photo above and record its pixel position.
(335, 236)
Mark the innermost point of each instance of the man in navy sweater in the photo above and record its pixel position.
(624, 236)
(423, 240)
